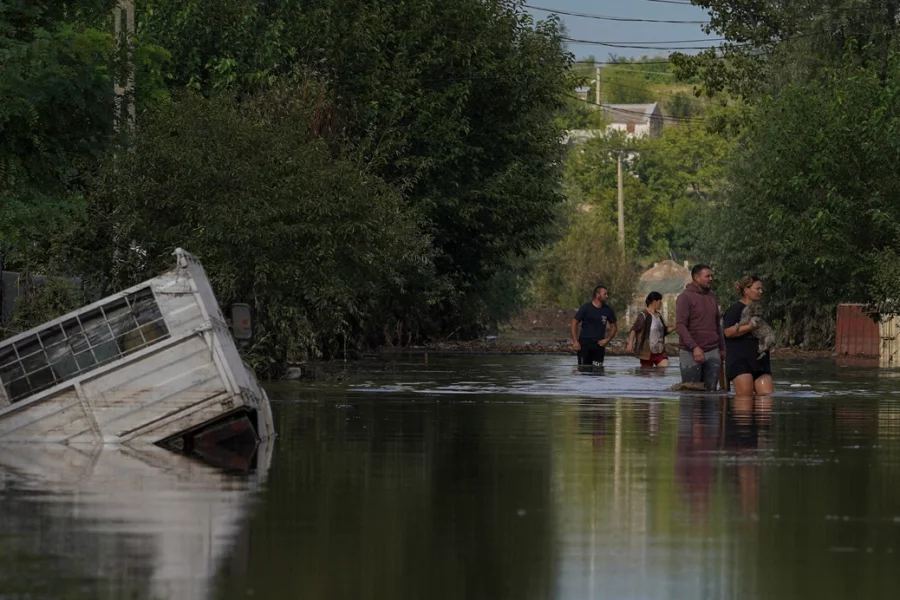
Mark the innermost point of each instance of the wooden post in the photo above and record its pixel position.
(621, 206)
(123, 17)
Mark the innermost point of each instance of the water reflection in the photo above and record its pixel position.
(467, 478)
(112, 521)
(404, 499)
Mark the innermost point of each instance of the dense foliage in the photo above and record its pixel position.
(56, 118)
(245, 186)
(811, 199)
(810, 208)
(454, 99)
(402, 201)
(586, 255)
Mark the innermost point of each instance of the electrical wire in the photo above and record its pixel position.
(642, 46)
(611, 18)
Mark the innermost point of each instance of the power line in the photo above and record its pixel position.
(727, 46)
(707, 39)
(611, 18)
(642, 46)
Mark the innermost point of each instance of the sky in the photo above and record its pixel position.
(582, 28)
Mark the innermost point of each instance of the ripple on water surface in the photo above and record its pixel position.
(487, 477)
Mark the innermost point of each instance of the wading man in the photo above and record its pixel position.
(593, 316)
(697, 323)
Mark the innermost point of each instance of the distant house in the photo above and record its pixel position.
(666, 277)
(636, 120)
(582, 92)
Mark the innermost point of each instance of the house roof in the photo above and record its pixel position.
(664, 287)
(666, 277)
(667, 269)
(630, 113)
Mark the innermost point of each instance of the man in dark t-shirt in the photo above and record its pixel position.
(593, 316)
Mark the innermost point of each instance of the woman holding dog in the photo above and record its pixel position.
(744, 368)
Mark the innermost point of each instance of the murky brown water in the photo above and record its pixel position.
(486, 477)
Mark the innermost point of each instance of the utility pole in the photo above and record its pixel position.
(597, 84)
(621, 207)
(123, 17)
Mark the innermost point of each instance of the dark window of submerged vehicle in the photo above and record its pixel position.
(65, 350)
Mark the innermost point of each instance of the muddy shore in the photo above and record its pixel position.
(546, 331)
(502, 346)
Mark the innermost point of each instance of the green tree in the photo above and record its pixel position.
(452, 101)
(587, 254)
(769, 43)
(884, 291)
(811, 196)
(308, 235)
(56, 116)
(683, 171)
(591, 180)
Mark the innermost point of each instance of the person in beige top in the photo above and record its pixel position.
(652, 329)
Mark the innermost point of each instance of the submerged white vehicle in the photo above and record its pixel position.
(154, 364)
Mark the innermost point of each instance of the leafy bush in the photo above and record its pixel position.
(290, 222)
(588, 255)
(38, 302)
(807, 207)
(885, 286)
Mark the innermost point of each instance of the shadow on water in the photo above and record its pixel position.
(493, 477)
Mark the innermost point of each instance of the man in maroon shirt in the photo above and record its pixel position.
(698, 325)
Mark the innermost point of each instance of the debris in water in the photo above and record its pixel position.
(687, 387)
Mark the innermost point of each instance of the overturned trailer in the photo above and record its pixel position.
(154, 364)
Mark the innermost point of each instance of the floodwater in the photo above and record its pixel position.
(486, 477)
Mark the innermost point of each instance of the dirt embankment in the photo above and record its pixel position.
(546, 331)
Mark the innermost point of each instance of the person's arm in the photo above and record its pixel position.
(613, 328)
(737, 330)
(629, 347)
(719, 333)
(632, 335)
(575, 343)
(682, 320)
(671, 328)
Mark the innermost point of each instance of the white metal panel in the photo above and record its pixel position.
(233, 368)
(192, 376)
(197, 414)
(181, 313)
(159, 385)
(54, 419)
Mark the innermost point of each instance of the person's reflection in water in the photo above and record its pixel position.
(600, 421)
(705, 426)
(653, 421)
(746, 432)
(698, 435)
